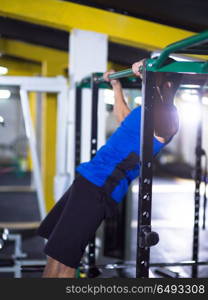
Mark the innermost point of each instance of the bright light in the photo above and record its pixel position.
(189, 112)
(189, 109)
(3, 70)
(109, 97)
(176, 57)
(168, 188)
(1, 120)
(190, 96)
(5, 94)
(205, 100)
(138, 100)
(190, 86)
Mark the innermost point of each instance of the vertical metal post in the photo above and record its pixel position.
(78, 114)
(62, 177)
(145, 179)
(61, 135)
(32, 142)
(94, 130)
(198, 177)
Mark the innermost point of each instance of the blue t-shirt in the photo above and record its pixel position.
(116, 163)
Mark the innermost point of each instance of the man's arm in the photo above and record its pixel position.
(120, 109)
(165, 114)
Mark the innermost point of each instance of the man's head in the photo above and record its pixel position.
(166, 121)
(166, 87)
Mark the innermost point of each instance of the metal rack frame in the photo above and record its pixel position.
(151, 66)
(93, 83)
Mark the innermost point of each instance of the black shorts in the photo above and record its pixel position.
(73, 221)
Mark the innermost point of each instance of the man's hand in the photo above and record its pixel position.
(136, 68)
(114, 82)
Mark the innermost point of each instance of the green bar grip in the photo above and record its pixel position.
(183, 44)
(205, 67)
(117, 75)
(120, 74)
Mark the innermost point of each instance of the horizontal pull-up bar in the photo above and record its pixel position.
(197, 39)
(186, 67)
(118, 75)
(156, 64)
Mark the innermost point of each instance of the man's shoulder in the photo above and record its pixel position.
(133, 115)
(136, 111)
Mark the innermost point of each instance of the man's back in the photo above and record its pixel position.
(116, 164)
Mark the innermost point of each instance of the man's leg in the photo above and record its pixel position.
(82, 214)
(55, 269)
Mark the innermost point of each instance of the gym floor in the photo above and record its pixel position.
(173, 206)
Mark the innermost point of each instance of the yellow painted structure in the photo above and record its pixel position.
(48, 157)
(33, 111)
(17, 67)
(67, 15)
(57, 59)
(49, 126)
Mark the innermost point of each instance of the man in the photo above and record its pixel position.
(104, 180)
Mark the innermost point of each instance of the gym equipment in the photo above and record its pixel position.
(18, 262)
(38, 85)
(93, 270)
(199, 152)
(190, 45)
(193, 73)
(93, 84)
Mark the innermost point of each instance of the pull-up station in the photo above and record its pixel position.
(190, 45)
(193, 72)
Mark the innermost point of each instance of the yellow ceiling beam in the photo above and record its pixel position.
(18, 67)
(57, 59)
(67, 15)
